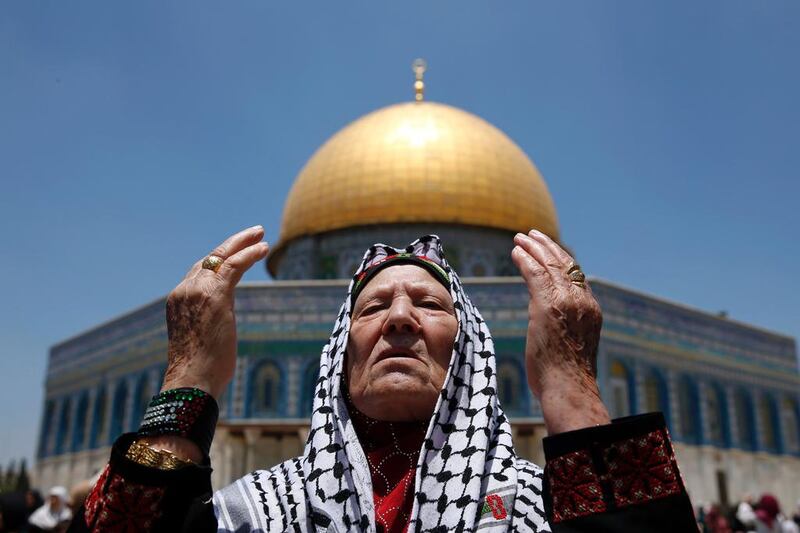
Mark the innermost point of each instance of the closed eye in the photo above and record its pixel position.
(370, 309)
(431, 304)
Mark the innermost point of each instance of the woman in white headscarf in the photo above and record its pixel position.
(54, 513)
(407, 432)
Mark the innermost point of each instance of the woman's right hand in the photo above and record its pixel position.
(201, 324)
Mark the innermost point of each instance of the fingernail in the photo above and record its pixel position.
(257, 227)
(518, 235)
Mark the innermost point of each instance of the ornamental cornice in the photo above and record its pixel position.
(663, 356)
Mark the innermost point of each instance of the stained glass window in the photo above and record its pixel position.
(118, 411)
(266, 385)
(47, 422)
(79, 429)
(745, 426)
(63, 426)
(714, 411)
(509, 386)
(766, 413)
(791, 432)
(620, 390)
(99, 419)
(689, 410)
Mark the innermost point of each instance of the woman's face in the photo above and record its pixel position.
(55, 503)
(402, 332)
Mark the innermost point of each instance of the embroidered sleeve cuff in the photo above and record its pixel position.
(133, 496)
(189, 476)
(606, 468)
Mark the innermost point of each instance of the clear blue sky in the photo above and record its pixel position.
(134, 136)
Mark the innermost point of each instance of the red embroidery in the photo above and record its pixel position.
(94, 499)
(495, 503)
(122, 506)
(574, 486)
(642, 469)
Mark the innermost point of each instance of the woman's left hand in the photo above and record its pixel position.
(563, 335)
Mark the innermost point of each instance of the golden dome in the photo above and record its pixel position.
(418, 162)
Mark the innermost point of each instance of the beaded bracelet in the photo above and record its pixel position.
(186, 412)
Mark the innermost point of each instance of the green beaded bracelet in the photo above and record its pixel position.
(186, 412)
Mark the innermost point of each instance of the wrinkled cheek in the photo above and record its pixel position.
(445, 350)
(356, 374)
(445, 368)
(346, 365)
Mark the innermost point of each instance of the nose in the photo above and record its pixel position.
(401, 318)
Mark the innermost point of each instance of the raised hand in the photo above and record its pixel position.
(200, 320)
(563, 335)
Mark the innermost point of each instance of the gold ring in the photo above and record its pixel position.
(575, 274)
(213, 262)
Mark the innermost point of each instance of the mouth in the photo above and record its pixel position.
(396, 353)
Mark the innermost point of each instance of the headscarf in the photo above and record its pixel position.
(47, 518)
(715, 522)
(767, 509)
(468, 476)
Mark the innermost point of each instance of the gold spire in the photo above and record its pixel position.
(419, 66)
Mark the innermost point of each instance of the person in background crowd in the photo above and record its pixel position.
(53, 515)
(744, 519)
(714, 521)
(769, 518)
(796, 516)
(15, 508)
(33, 500)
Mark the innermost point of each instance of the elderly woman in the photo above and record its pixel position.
(407, 432)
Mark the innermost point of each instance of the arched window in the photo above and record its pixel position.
(620, 390)
(716, 421)
(769, 419)
(144, 392)
(79, 427)
(118, 411)
(655, 393)
(745, 426)
(689, 409)
(99, 419)
(789, 426)
(47, 424)
(310, 387)
(63, 426)
(266, 389)
(509, 387)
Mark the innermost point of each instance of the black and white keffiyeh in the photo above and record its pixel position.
(468, 475)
